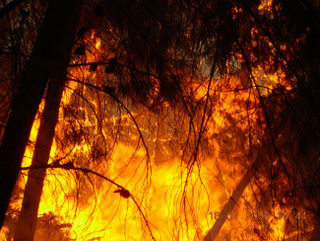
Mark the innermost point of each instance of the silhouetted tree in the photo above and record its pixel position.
(52, 44)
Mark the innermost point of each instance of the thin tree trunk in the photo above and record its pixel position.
(53, 44)
(228, 207)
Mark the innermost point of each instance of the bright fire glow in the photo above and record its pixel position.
(87, 205)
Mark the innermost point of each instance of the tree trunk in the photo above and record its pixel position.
(28, 217)
(53, 44)
(228, 207)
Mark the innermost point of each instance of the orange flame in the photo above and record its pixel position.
(175, 209)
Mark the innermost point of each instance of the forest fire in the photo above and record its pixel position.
(150, 127)
(174, 208)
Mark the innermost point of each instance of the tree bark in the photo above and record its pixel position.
(53, 44)
(26, 226)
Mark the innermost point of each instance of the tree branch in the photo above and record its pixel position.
(122, 189)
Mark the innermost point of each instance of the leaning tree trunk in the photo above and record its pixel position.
(28, 216)
(26, 226)
(54, 42)
(232, 202)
